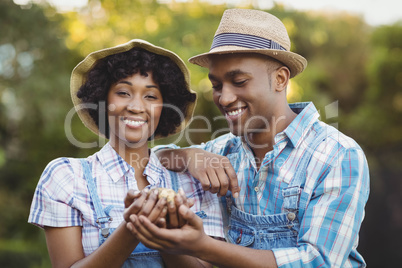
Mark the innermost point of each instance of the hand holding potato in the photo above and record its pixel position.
(159, 205)
(145, 203)
(174, 201)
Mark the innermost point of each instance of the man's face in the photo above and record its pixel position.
(242, 90)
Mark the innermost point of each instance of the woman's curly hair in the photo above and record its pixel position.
(165, 72)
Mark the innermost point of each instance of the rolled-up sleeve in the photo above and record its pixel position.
(220, 145)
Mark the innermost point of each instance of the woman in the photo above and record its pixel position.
(129, 94)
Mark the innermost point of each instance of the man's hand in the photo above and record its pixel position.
(214, 172)
(186, 240)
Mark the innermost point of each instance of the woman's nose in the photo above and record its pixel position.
(136, 105)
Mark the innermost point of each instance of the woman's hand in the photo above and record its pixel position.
(145, 203)
(175, 220)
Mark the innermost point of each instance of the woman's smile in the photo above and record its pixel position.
(134, 123)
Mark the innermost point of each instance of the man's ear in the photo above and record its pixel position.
(282, 76)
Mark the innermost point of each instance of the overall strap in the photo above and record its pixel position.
(102, 215)
(227, 201)
(174, 179)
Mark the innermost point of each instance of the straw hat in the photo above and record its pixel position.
(79, 76)
(253, 31)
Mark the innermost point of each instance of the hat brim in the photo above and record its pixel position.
(79, 76)
(293, 61)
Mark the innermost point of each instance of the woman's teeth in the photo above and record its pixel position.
(133, 123)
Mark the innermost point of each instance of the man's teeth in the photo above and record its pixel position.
(133, 123)
(235, 112)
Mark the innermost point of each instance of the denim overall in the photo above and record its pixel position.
(142, 256)
(277, 230)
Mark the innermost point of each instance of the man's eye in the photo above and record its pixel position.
(216, 87)
(239, 83)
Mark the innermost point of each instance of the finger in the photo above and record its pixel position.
(183, 195)
(160, 234)
(190, 202)
(157, 210)
(233, 182)
(130, 197)
(150, 203)
(136, 206)
(213, 179)
(172, 213)
(161, 223)
(131, 228)
(142, 197)
(204, 180)
(163, 213)
(179, 202)
(140, 229)
(190, 217)
(223, 181)
(145, 236)
(141, 237)
(130, 224)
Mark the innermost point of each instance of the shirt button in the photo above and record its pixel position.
(291, 216)
(256, 189)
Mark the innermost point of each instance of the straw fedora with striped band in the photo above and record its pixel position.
(79, 76)
(253, 31)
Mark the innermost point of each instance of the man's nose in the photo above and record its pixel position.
(227, 96)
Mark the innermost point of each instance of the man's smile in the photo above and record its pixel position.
(234, 114)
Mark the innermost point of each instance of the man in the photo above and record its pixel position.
(302, 185)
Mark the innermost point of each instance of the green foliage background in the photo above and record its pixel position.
(352, 66)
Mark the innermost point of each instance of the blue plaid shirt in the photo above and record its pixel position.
(337, 181)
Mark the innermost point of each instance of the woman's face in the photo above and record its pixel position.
(134, 109)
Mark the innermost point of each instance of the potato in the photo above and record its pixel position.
(169, 194)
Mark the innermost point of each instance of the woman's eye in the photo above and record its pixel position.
(121, 93)
(151, 97)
